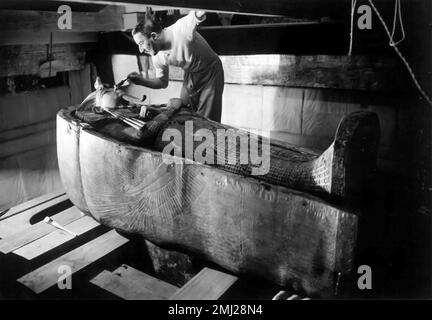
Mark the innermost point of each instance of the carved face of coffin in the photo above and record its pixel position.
(106, 98)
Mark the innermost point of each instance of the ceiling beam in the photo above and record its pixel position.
(318, 38)
(10, 38)
(109, 19)
(259, 7)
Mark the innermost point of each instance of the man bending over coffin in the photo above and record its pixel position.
(182, 46)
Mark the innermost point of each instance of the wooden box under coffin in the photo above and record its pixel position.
(240, 223)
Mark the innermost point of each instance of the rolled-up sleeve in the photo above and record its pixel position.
(187, 25)
(160, 65)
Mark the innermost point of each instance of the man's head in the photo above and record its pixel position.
(147, 34)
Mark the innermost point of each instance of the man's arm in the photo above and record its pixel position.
(161, 77)
(156, 83)
(187, 25)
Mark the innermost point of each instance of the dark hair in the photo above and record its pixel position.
(149, 24)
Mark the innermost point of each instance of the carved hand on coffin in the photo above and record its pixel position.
(175, 103)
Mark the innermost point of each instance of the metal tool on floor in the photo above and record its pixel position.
(57, 225)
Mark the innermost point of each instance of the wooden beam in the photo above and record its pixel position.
(208, 284)
(133, 8)
(264, 25)
(268, 7)
(51, 5)
(46, 21)
(131, 284)
(46, 276)
(27, 59)
(298, 39)
(292, 8)
(366, 73)
(132, 18)
(8, 38)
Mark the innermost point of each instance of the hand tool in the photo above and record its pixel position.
(57, 225)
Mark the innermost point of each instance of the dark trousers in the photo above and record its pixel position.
(203, 91)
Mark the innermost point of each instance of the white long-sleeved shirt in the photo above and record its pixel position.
(189, 50)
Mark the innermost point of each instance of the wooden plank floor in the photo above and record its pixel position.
(208, 284)
(56, 238)
(47, 275)
(43, 249)
(18, 218)
(131, 284)
(38, 230)
(26, 206)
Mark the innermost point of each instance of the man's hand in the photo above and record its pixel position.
(200, 15)
(135, 78)
(157, 83)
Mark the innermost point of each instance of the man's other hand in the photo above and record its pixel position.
(134, 77)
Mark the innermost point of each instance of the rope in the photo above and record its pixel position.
(401, 56)
(353, 4)
(397, 12)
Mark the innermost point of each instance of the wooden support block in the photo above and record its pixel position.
(46, 276)
(208, 284)
(9, 38)
(56, 238)
(169, 264)
(38, 230)
(18, 218)
(131, 284)
(43, 21)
